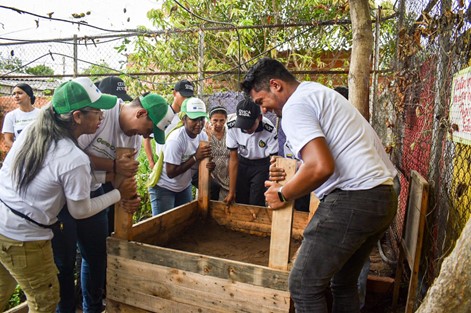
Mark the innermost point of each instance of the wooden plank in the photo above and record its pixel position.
(113, 306)
(313, 205)
(20, 308)
(204, 179)
(282, 222)
(411, 243)
(122, 219)
(251, 219)
(152, 283)
(415, 225)
(159, 229)
(196, 263)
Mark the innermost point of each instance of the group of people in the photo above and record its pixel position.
(55, 173)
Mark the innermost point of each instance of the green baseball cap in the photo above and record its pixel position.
(194, 108)
(159, 112)
(79, 93)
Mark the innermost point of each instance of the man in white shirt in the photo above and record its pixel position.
(349, 173)
(251, 139)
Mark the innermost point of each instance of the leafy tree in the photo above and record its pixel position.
(11, 64)
(40, 70)
(299, 46)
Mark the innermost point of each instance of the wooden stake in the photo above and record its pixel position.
(122, 219)
(204, 180)
(282, 222)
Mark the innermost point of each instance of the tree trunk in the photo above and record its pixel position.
(451, 290)
(360, 62)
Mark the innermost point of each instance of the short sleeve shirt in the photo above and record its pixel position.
(179, 147)
(16, 120)
(314, 111)
(258, 145)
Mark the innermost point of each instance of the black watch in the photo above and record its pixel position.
(280, 195)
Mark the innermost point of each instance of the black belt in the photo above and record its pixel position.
(56, 224)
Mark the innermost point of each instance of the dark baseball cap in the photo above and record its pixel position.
(115, 86)
(247, 113)
(185, 88)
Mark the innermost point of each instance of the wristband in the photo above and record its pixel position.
(280, 195)
(194, 158)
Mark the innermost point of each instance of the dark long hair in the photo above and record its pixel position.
(46, 130)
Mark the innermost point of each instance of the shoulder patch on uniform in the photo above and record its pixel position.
(268, 127)
(231, 124)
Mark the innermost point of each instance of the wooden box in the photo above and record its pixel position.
(145, 276)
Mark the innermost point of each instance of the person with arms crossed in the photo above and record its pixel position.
(45, 169)
(352, 177)
(16, 120)
(251, 139)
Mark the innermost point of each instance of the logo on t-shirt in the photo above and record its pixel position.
(262, 144)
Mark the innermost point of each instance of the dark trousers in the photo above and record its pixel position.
(89, 235)
(251, 177)
(337, 241)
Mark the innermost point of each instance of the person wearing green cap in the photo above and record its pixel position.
(122, 126)
(182, 153)
(44, 170)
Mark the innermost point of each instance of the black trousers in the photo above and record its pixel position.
(251, 177)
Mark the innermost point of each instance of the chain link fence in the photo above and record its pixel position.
(433, 44)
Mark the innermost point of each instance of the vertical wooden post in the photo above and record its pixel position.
(204, 180)
(122, 219)
(282, 223)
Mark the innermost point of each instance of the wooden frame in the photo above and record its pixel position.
(144, 276)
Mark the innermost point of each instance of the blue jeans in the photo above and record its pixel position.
(89, 235)
(336, 243)
(162, 199)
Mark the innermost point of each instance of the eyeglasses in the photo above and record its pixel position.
(99, 112)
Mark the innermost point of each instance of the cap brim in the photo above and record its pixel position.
(194, 115)
(159, 135)
(244, 123)
(105, 102)
(124, 97)
(186, 93)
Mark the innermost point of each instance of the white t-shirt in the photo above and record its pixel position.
(108, 137)
(179, 147)
(258, 145)
(65, 174)
(314, 111)
(175, 120)
(15, 121)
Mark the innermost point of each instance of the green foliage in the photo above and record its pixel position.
(226, 49)
(145, 211)
(17, 298)
(40, 69)
(11, 64)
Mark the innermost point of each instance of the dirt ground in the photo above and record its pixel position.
(211, 239)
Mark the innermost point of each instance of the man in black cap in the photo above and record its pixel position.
(251, 139)
(114, 85)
